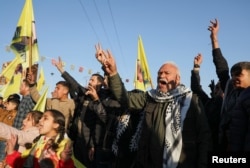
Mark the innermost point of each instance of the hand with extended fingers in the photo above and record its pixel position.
(110, 64)
(106, 59)
(214, 28)
(58, 64)
(100, 54)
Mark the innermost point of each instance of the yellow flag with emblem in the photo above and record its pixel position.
(9, 71)
(24, 42)
(13, 86)
(142, 73)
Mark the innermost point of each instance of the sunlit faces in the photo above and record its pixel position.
(54, 94)
(60, 91)
(10, 106)
(28, 122)
(168, 77)
(94, 82)
(242, 79)
(47, 126)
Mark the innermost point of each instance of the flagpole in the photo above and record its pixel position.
(151, 84)
(30, 53)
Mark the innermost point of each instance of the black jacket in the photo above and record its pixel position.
(212, 106)
(239, 139)
(90, 114)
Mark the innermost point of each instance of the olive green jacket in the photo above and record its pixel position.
(195, 133)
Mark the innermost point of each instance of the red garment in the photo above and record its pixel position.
(15, 160)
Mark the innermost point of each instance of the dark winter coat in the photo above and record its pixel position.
(212, 107)
(195, 135)
(230, 96)
(239, 139)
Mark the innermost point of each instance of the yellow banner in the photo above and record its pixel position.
(142, 74)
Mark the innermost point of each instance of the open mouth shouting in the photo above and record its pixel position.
(163, 81)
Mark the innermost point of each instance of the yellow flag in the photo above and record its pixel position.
(13, 86)
(142, 74)
(2, 89)
(41, 103)
(24, 42)
(41, 80)
(9, 71)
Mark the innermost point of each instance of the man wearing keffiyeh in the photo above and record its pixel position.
(175, 132)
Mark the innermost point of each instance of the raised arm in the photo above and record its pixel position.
(214, 29)
(106, 59)
(195, 76)
(110, 64)
(115, 83)
(75, 87)
(23, 136)
(100, 56)
(35, 95)
(59, 65)
(221, 65)
(195, 79)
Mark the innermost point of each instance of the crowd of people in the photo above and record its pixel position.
(105, 126)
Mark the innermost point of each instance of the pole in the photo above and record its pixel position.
(30, 52)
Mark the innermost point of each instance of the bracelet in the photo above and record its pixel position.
(196, 66)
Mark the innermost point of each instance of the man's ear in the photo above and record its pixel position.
(178, 79)
(66, 91)
(99, 85)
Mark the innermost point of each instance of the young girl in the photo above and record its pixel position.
(52, 143)
(28, 131)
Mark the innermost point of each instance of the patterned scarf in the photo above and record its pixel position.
(122, 127)
(178, 103)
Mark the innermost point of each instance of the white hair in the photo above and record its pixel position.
(175, 65)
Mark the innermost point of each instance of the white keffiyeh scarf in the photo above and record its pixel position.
(179, 101)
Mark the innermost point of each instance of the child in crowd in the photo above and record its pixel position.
(7, 116)
(52, 144)
(28, 131)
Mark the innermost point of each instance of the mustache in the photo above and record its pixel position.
(163, 81)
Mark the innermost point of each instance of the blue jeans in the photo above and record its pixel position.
(2, 150)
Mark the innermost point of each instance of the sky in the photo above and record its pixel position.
(171, 31)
